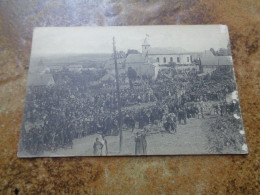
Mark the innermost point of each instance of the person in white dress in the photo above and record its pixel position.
(104, 148)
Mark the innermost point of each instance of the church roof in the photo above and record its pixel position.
(166, 50)
(135, 58)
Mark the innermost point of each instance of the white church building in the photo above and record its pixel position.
(165, 55)
(153, 59)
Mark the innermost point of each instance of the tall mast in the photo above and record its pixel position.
(118, 97)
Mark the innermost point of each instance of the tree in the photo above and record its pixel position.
(121, 54)
(132, 75)
(132, 51)
(213, 51)
(222, 52)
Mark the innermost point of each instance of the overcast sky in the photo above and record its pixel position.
(80, 40)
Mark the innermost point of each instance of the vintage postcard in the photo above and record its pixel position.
(131, 90)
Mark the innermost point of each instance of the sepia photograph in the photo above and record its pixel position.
(131, 91)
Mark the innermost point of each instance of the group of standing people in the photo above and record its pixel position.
(100, 145)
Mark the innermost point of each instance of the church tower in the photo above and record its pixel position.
(145, 47)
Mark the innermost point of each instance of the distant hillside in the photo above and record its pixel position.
(63, 60)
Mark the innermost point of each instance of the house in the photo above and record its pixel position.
(140, 64)
(209, 62)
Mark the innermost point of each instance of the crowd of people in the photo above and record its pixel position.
(81, 105)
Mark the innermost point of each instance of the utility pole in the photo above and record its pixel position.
(118, 98)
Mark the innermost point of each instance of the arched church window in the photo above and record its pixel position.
(158, 59)
(171, 59)
(164, 59)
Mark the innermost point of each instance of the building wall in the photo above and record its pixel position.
(208, 68)
(211, 68)
(165, 59)
(188, 67)
(142, 69)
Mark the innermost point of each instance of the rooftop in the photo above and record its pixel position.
(167, 50)
(209, 59)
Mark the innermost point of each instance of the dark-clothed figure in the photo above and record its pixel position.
(97, 148)
(185, 116)
(144, 143)
(182, 116)
(138, 144)
(201, 110)
(132, 123)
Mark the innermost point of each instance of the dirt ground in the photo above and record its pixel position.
(189, 139)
